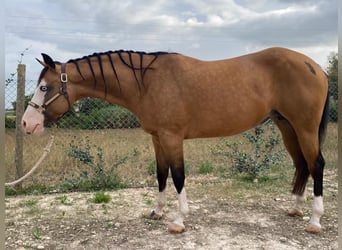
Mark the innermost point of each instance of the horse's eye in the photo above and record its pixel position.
(44, 88)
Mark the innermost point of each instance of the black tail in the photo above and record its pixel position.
(319, 166)
(324, 121)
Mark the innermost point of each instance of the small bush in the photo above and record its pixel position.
(99, 176)
(205, 168)
(333, 110)
(9, 121)
(260, 158)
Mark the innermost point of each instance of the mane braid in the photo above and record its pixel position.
(157, 53)
(109, 55)
(133, 69)
(129, 64)
(123, 60)
(87, 58)
(141, 69)
(149, 65)
(75, 62)
(102, 74)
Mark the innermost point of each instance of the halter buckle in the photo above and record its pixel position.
(64, 78)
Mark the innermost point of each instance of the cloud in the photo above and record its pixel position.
(294, 26)
(203, 29)
(200, 28)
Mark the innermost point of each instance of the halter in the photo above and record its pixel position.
(62, 92)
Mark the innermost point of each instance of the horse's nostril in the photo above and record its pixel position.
(24, 124)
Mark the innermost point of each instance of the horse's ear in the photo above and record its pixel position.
(41, 62)
(48, 62)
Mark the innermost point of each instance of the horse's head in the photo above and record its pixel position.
(52, 98)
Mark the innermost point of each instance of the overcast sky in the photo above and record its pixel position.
(211, 29)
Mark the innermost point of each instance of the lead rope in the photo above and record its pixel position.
(46, 151)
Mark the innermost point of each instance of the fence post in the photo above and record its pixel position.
(20, 102)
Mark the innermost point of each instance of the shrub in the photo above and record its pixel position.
(205, 168)
(9, 121)
(98, 176)
(260, 158)
(333, 109)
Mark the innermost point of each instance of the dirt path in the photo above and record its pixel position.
(217, 221)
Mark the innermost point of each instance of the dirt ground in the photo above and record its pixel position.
(217, 220)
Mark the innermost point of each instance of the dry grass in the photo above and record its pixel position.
(117, 144)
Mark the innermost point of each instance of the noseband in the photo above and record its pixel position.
(62, 92)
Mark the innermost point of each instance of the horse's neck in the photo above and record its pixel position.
(113, 81)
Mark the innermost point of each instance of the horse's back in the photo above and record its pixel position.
(225, 97)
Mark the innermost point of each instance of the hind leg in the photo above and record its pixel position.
(302, 142)
(302, 173)
(309, 143)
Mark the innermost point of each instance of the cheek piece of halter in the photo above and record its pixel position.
(62, 92)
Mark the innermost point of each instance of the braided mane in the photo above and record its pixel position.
(140, 68)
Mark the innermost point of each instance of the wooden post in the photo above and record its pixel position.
(20, 102)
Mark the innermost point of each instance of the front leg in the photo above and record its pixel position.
(177, 226)
(173, 149)
(169, 153)
(157, 213)
(162, 174)
(297, 209)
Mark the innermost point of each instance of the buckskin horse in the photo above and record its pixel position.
(176, 97)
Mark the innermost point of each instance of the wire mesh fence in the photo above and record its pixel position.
(99, 124)
(90, 119)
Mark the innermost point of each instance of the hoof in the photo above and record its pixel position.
(176, 228)
(312, 228)
(153, 215)
(294, 212)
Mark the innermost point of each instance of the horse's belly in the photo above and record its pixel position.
(224, 125)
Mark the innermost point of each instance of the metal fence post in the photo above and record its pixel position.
(20, 102)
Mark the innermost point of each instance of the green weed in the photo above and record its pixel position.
(36, 233)
(151, 169)
(63, 200)
(32, 205)
(101, 197)
(205, 168)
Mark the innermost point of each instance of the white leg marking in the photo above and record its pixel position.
(300, 199)
(317, 211)
(161, 203)
(183, 203)
(297, 209)
(183, 210)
